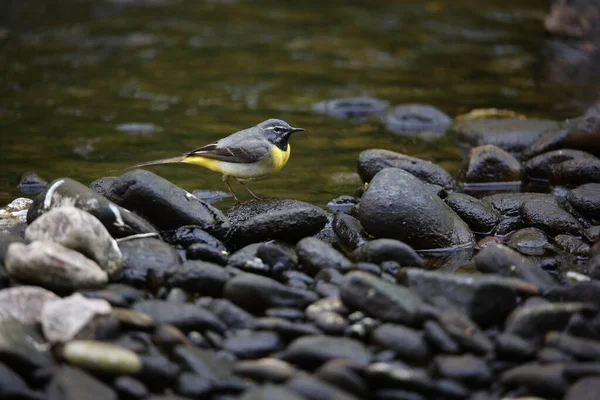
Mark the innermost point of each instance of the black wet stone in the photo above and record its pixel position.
(480, 216)
(12, 386)
(348, 231)
(194, 385)
(380, 299)
(370, 162)
(188, 235)
(200, 277)
(509, 204)
(343, 374)
(315, 389)
(69, 383)
(500, 259)
(64, 191)
(529, 241)
(313, 351)
(451, 389)
(550, 218)
(510, 134)
(287, 329)
(579, 348)
(572, 245)
(351, 107)
(539, 167)
(513, 347)
(409, 344)
(398, 375)
(146, 261)
(381, 250)
(277, 257)
(585, 292)
(552, 139)
(129, 388)
(584, 389)
(256, 293)
(438, 338)
(158, 371)
(165, 204)
(465, 332)
(202, 362)
(117, 294)
(535, 321)
(486, 299)
(489, 163)
(315, 255)
(399, 206)
(186, 317)
(586, 200)
(397, 394)
(576, 172)
(539, 379)
(271, 392)
(468, 369)
(414, 118)
(206, 252)
(231, 315)
(287, 220)
(252, 344)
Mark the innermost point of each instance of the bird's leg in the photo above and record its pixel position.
(248, 190)
(226, 181)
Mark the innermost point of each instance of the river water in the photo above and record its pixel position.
(89, 87)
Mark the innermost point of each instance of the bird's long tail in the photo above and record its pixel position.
(171, 160)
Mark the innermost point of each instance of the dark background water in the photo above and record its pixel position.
(75, 74)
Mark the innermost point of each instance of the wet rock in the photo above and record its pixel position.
(464, 332)
(470, 370)
(314, 255)
(132, 319)
(69, 383)
(380, 299)
(399, 206)
(489, 163)
(351, 107)
(256, 293)
(186, 317)
(233, 316)
(25, 303)
(287, 329)
(584, 389)
(12, 386)
(118, 295)
(486, 299)
(409, 344)
(193, 385)
(575, 172)
(252, 344)
(584, 292)
(64, 319)
(312, 388)
(208, 253)
(550, 355)
(579, 348)
(271, 392)
(64, 191)
(292, 314)
(130, 388)
(312, 351)
(550, 218)
(510, 134)
(31, 183)
(513, 347)
(198, 277)
(540, 166)
(166, 205)
(188, 235)
(280, 259)
(69, 269)
(586, 200)
(202, 362)
(146, 261)
(536, 320)
(509, 204)
(499, 259)
(396, 375)
(101, 357)
(265, 370)
(478, 215)
(412, 118)
(14, 214)
(331, 323)
(349, 231)
(437, 338)
(529, 241)
(545, 380)
(80, 231)
(341, 373)
(451, 389)
(585, 131)
(572, 245)
(397, 394)
(380, 250)
(157, 372)
(370, 162)
(287, 220)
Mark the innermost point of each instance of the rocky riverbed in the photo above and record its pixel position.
(132, 288)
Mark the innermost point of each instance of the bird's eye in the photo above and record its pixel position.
(277, 129)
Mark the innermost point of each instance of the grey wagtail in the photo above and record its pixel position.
(248, 155)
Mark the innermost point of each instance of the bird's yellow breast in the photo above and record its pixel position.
(280, 157)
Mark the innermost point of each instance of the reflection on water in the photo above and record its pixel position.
(88, 87)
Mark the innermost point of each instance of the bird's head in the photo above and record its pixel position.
(277, 132)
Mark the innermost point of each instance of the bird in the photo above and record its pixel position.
(247, 155)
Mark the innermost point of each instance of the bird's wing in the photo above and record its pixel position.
(243, 152)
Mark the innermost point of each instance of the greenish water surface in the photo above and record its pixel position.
(74, 75)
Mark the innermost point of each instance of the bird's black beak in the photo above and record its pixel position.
(296, 130)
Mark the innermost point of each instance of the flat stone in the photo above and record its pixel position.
(102, 357)
(540, 166)
(394, 375)
(537, 320)
(69, 383)
(572, 245)
(579, 348)
(12, 386)
(416, 118)
(315, 389)
(271, 392)
(509, 204)
(351, 107)
(586, 200)
(575, 172)
(201, 277)
(186, 317)
(530, 241)
(544, 380)
(315, 350)
(489, 163)
(233, 316)
(252, 344)
(348, 231)
(470, 370)
(265, 370)
(480, 216)
(314, 255)
(409, 344)
(584, 389)
(380, 250)
(550, 218)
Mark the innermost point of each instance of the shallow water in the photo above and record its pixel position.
(88, 87)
